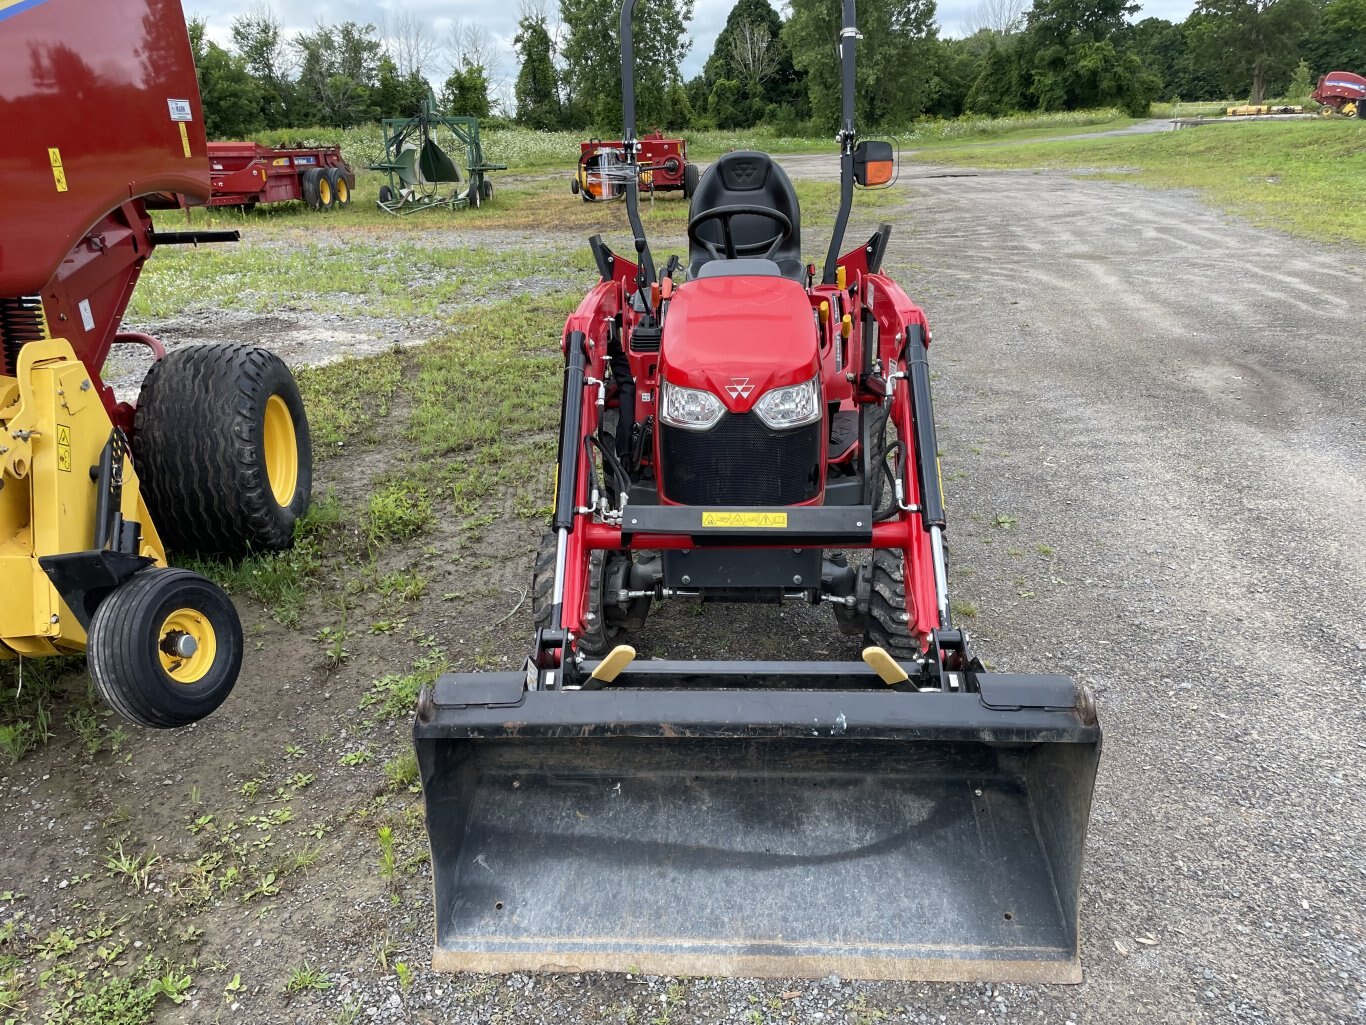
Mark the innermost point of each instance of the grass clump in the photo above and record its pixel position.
(398, 511)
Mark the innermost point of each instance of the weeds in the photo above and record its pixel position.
(306, 977)
(134, 868)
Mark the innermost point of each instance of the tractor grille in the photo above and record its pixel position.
(741, 462)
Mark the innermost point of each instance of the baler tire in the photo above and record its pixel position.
(598, 639)
(222, 448)
(690, 176)
(887, 626)
(310, 184)
(134, 673)
(341, 189)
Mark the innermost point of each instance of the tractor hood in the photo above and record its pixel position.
(738, 337)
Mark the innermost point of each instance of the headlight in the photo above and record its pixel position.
(793, 406)
(689, 408)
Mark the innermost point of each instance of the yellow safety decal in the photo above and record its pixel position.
(54, 156)
(772, 520)
(64, 448)
(184, 137)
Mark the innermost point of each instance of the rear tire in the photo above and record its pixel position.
(888, 623)
(690, 176)
(597, 638)
(221, 445)
(341, 189)
(486, 190)
(311, 184)
(165, 648)
(386, 194)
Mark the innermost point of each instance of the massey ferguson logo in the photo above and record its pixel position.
(739, 388)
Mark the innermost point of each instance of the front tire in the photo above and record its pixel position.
(888, 623)
(165, 648)
(597, 637)
(690, 176)
(221, 445)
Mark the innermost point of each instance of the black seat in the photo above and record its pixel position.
(750, 179)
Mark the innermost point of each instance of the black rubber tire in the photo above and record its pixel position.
(472, 196)
(123, 656)
(337, 179)
(486, 190)
(199, 449)
(690, 176)
(886, 626)
(310, 183)
(386, 194)
(574, 185)
(598, 638)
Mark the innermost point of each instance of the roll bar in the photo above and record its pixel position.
(849, 34)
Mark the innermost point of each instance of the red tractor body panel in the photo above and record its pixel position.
(1337, 88)
(739, 337)
(82, 138)
(247, 173)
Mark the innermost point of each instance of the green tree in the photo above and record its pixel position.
(999, 87)
(593, 74)
(1076, 56)
(230, 96)
(396, 94)
(1252, 42)
(537, 89)
(339, 67)
(466, 92)
(1338, 41)
(258, 40)
(897, 58)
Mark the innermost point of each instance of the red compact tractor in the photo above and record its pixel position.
(103, 125)
(660, 165)
(757, 431)
(1341, 92)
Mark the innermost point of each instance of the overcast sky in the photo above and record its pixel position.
(500, 19)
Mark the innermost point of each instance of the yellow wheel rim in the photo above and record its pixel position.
(343, 191)
(325, 191)
(282, 451)
(187, 645)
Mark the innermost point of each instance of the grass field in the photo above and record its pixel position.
(522, 149)
(1303, 177)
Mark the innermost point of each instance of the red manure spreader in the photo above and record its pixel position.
(244, 174)
(754, 430)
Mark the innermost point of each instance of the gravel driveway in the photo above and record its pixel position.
(1171, 401)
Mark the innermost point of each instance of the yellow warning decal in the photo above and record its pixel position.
(772, 520)
(54, 156)
(64, 448)
(184, 137)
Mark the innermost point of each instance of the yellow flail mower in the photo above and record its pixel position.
(214, 457)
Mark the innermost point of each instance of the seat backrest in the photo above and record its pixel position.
(748, 178)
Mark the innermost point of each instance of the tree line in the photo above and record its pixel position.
(776, 71)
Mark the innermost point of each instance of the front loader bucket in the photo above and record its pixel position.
(791, 833)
